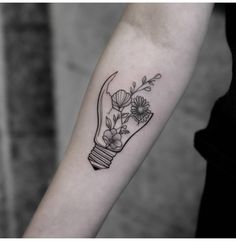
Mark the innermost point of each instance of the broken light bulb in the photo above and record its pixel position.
(120, 116)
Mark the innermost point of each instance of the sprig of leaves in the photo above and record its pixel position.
(146, 84)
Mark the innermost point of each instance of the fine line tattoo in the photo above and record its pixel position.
(120, 116)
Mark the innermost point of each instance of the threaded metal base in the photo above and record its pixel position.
(100, 157)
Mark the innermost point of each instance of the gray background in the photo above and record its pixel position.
(163, 198)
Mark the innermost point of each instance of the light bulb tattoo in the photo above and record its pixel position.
(120, 116)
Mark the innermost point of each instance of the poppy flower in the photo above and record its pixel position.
(120, 99)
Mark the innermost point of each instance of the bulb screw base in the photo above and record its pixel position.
(100, 157)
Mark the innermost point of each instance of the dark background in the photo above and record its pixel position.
(47, 55)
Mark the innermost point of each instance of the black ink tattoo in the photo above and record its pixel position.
(120, 116)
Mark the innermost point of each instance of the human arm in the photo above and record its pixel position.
(150, 39)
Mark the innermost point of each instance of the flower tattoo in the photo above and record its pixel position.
(120, 116)
(140, 109)
(120, 99)
(112, 139)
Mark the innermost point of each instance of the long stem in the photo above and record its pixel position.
(121, 117)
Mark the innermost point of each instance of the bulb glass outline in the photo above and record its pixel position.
(120, 115)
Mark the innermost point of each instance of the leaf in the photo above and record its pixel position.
(134, 84)
(114, 118)
(124, 115)
(126, 120)
(131, 90)
(108, 123)
(157, 76)
(148, 88)
(144, 80)
(125, 132)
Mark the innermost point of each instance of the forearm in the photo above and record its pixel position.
(79, 197)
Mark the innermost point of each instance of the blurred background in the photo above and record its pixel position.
(47, 55)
